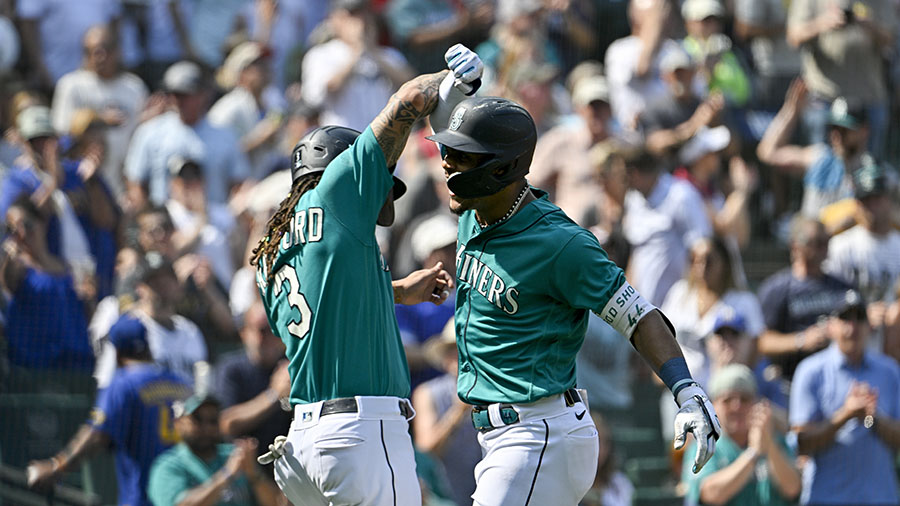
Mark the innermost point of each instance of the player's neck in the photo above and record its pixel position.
(504, 204)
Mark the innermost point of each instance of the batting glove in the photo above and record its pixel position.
(697, 415)
(276, 451)
(466, 67)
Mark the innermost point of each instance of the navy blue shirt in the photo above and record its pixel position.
(237, 381)
(417, 323)
(135, 411)
(791, 305)
(46, 327)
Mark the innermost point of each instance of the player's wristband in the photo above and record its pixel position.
(675, 374)
(625, 309)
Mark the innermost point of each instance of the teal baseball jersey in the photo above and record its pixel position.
(525, 287)
(331, 300)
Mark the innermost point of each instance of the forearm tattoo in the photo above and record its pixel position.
(415, 100)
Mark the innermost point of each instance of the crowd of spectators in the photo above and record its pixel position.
(146, 144)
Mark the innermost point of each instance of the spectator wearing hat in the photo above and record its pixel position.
(244, 110)
(753, 464)
(46, 320)
(843, 45)
(562, 161)
(432, 240)
(866, 255)
(663, 218)
(701, 164)
(253, 381)
(729, 343)
(442, 425)
(133, 417)
(720, 71)
(185, 132)
(78, 208)
(796, 299)
(827, 167)
(675, 117)
(101, 85)
(351, 75)
(632, 63)
(201, 228)
(203, 470)
(176, 343)
(845, 406)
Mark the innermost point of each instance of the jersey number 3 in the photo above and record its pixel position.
(297, 300)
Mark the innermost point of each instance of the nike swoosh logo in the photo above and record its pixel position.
(580, 415)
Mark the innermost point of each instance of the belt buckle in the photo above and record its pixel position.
(481, 418)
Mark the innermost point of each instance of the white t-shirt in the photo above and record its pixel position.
(364, 94)
(661, 229)
(213, 243)
(83, 89)
(692, 328)
(176, 350)
(61, 26)
(628, 94)
(870, 262)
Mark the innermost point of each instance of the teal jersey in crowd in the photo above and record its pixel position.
(177, 470)
(525, 287)
(331, 300)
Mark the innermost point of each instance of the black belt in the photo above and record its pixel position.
(349, 405)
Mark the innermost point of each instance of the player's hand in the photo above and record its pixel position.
(41, 474)
(697, 416)
(425, 285)
(466, 66)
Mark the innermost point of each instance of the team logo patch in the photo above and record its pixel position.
(457, 118)
(297, 159)
(307, 416)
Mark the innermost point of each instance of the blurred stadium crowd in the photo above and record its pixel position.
(735, 157)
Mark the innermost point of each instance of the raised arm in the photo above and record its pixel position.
(413, 101)
(773, 148)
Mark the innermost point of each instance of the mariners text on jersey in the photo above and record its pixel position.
(487, 282)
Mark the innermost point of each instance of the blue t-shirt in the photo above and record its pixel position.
(135, 411)
(858, 467)
(102, 243)
(417, 323)
(46, 327)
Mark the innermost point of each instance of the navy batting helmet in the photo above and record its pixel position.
(493, 126)
(318, 148)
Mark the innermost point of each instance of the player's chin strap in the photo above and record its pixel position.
(276, 451)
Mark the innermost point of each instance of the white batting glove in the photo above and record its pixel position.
(466, 66)
(276, 451)
(697, 415)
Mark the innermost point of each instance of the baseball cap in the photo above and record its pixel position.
(192, 403)
(589, 89)
(433, 234)
(846, 115)
(732, 378)
(34, 121)
(870, 179)
(850, 304)
(185, 168)
(705, 141)
(128, 336)
(674, 59)
(241, 57)
(696, 10)
(184, 77)
(730, 319)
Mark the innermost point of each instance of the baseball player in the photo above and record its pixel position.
(329, 296)
(133, 415)
(527, 276)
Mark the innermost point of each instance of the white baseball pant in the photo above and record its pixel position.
(548, 457)
(349, 458)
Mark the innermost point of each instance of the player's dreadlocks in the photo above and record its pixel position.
(279, 223)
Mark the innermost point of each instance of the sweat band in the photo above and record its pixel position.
(675, 374)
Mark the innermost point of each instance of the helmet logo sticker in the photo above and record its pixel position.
(457, 118)
(297, 158)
